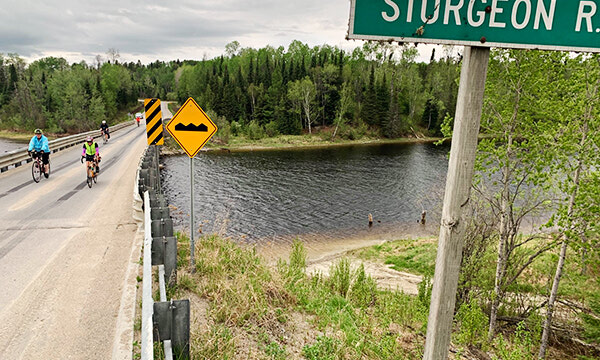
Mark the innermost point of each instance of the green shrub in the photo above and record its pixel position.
(424, 291)
(364, 289)
(223, 127)
(295, 270)
(254, 131)
(339, 277)
(521, 346)
(473, 324)
(271, 129)
(171, 96)
(236, 128)
(591, 322)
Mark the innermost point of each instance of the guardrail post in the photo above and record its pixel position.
(172, 322)
(171, 260)
(161, 212)
(158, 201)
(162, 227)
(164, 252)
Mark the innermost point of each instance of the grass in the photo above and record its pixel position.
(258, 312)
(417, 257)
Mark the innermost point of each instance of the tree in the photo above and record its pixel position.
(113, 55)
(303, 92)
(511, 162)
(232, 48)
(369, 112)
(346, 98)
(579, 145)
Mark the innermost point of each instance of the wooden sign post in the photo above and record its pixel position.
(458, 186)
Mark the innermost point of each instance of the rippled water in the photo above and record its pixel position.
(280, 194)
(8, 145)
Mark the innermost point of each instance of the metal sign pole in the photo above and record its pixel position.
(192, 261)
(191, 128)
(458, 186)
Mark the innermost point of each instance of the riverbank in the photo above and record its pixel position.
(23, 137)
(370, 303)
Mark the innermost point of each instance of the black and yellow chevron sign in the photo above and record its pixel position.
(154, 124)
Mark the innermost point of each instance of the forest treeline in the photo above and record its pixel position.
(379, 88)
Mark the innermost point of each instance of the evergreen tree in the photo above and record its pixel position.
(370, 111)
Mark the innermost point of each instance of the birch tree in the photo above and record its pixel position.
(578, 158)
(512, 167)
(304, 92)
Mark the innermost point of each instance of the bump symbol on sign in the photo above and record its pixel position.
(191, 127)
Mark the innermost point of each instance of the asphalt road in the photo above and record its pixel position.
(68, 255)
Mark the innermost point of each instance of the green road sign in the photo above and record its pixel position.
(526, 24)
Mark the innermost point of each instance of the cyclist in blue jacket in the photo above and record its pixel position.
(38, 146)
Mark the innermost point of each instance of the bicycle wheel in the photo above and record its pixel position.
(90, 175)
(36, 172)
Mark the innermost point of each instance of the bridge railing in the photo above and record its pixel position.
(167, 321)
(17, 157)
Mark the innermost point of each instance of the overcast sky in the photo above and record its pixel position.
(177, 29)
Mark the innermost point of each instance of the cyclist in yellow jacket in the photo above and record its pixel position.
(90, 153)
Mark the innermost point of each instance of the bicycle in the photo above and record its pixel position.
(91, 174)
(104, 136)
(37, 167)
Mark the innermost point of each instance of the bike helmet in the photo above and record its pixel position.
(89, 139)
(37, 131)
(104, 121)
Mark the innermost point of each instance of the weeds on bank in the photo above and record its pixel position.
(258, 312)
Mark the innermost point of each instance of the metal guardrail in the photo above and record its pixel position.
(16, 157)
(165, 321)
(147, 301)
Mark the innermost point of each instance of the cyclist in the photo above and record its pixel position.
(104, 129)
(90, 153)
(38, 146)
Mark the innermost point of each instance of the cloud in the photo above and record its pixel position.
(183, 29)
(191, 127)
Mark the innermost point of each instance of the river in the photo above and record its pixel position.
(8, 145)
(273, 196)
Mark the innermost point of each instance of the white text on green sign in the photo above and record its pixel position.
(530, 24)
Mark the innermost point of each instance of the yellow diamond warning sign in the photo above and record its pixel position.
(191, 127)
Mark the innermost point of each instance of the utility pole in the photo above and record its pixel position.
(458, 187)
